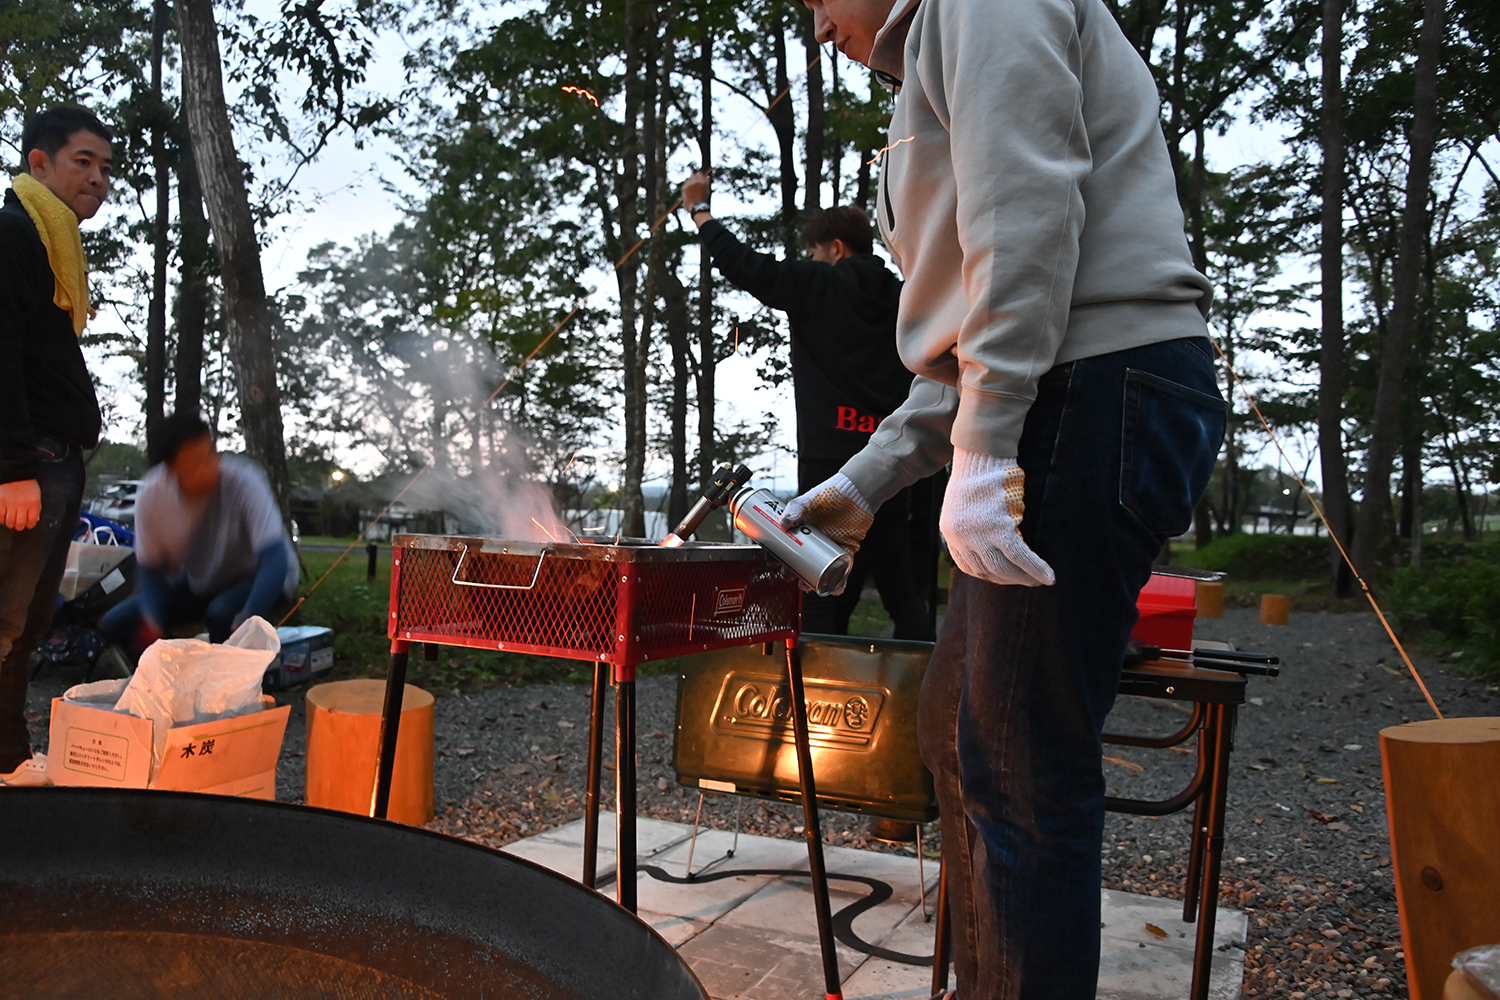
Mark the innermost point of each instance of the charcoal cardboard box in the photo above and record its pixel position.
(306, 650)
(93, 745)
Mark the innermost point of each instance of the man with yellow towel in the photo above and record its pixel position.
(48, 411)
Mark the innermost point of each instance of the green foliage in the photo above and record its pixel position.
(118, 459)
(1262, 557)
(1458, 590)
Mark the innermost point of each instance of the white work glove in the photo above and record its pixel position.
(836, 508)
(982, 521)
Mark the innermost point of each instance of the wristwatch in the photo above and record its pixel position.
(694, 209)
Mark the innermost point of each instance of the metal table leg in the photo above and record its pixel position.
(1217, 793)
(1194, 878)
(942, 949)
(390, 726)
(832, 984)
(591, 793)
(625, 888)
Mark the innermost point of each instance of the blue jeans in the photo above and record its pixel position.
(31, 568)
(176, 605)
(1116, 451)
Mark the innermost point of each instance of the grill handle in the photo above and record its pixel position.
(497, 586)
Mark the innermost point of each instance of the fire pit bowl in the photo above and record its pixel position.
(132, 894)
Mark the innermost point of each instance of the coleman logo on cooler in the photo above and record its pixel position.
(729, 601)
(839, 714)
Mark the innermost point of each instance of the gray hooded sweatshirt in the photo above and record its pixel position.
(1028, 199)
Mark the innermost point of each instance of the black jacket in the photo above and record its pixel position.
(846, 374)
(45, 389)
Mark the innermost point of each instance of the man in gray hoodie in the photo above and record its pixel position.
(1056, 325)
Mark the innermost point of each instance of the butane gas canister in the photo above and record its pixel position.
(818, 560)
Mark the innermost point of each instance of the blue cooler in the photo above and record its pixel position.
(306, 650)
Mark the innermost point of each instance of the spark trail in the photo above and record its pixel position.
(887, 149)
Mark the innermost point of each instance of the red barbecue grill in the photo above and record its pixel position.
(618, 605)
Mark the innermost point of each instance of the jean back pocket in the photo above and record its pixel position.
(1169, 442)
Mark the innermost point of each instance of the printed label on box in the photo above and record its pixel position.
(322, 659)
(98, 754)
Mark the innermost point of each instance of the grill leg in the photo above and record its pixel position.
(591, 793)
(390, 725)
(942, 945)
(831, 981)
(625, 792)
(1216, 794)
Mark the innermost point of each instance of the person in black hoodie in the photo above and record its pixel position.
(841, 305)
(48, 411)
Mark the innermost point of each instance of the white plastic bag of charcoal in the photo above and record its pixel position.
(187, 681)
(1476, 975)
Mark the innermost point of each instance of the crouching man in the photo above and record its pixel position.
(210, 543)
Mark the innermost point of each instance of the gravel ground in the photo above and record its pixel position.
(1307, 848)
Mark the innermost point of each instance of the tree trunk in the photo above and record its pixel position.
(674, 300)
(191, 311)
(836, 161)
(784, 122)
(632, 503)
(812, 198)
(1374, 508)
(708, 358)
(246, 307)
(156, 312)
(1230, 506)
(1334, 463)
(1203, 525)
(862, 179)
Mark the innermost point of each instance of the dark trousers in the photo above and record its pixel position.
(178, 606)
(1116, 451)
(31, 568)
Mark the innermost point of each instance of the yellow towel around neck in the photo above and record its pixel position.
(58, 227)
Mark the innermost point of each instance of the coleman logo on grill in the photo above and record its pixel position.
(838, 714)
(729, 601)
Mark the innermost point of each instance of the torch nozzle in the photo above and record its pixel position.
(726, 480)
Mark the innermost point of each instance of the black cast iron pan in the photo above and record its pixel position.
(136, 894)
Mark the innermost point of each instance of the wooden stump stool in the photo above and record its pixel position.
(1209, 599)
(1275, 609)
(343, 744)
(1443, 799)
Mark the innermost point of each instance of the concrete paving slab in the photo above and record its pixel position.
(785, 906)
(755, 937)
(677, 930)
(710, 899)
(896, 870)
(1143, 972)
(1125, 917)
(652, 835)
(884, 979)
(746, 963)
(565, 859)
